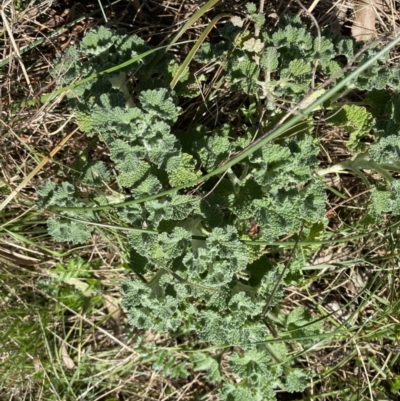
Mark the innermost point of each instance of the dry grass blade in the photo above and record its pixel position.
(36, 170)
(15, 47)
(18, 259)
(68, 362)
(313, 5)
(114, 309)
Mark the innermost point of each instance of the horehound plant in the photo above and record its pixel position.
(199, 253)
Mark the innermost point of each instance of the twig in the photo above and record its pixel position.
(16, 51)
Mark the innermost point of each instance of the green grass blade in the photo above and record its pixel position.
(192, 20)
(196, 46)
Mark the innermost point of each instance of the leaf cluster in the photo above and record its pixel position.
(292, 61)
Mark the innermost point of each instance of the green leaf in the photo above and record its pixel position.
(203, 361)
(95, 174)
(395, 385)
(176, 208)
(161, 249)
(356, 120)
(182, 170)
(269, 60)
(385, 201)
(69, 231)
(299, 67)
(297, 381)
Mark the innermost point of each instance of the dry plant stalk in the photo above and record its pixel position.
(364, 23)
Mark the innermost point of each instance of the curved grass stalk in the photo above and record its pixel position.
(193, 51)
